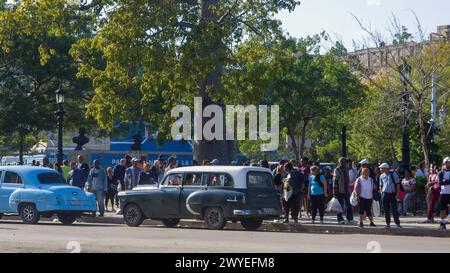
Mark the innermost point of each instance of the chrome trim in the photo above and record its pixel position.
(188, 207)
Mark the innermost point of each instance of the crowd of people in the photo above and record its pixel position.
(303, 186)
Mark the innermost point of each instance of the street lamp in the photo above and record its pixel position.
(405, 78)
(59, 115)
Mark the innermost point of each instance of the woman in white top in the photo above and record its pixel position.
(364, 187)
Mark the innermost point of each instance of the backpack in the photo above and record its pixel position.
(391, 174)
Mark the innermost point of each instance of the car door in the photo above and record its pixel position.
(192, 182)
(11, 182)
(261, 192)
(168, 203)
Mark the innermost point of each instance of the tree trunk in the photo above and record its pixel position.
(291, 134)
(423, 137)
(303, 136)
(215, 149)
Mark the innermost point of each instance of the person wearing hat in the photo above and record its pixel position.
(132, 174)
(171, 164)
(444, 182)
(390, 190)
(215, 162)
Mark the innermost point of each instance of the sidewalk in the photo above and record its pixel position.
(411, 226)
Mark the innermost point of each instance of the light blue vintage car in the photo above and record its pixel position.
(33, 192)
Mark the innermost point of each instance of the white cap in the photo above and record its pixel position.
(364, 161)
(215, 162)
(135, 159)
(384, 166)
(447, 159)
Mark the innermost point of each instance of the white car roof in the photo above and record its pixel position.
(238, 173)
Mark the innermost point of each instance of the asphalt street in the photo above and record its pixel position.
(82, 237)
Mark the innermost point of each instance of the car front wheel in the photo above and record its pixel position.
(214, 218)
(132, 215)
(251, 224)
(29, 214)
(66, 219)
(170, 222)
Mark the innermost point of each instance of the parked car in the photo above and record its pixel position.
(215, 194)
(33, 192)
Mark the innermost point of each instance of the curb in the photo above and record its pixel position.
(281, 227)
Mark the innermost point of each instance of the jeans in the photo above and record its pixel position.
(344, 200)
(100, 198)
(110, 196)
(407, 202)
(390, 204)
(317, 203)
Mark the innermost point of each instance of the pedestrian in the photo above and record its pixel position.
(328, 173)
(264, 164)
(112, 189)
(353, 174)
(294, 183)
(422, 171)
(444, 182)
(409, 187)
(119, 177)
(364, 188)
(83, 166)
(145, 177)
(75, 176)
(433, 194)
(46, 162)
(215, 162)
(97, 183)
(390, 191)
(341, 181)
(132, 175)
(156, 172)
(57, 168)
(318, 191)
(305, 168)
(65, 169)
(171, 164)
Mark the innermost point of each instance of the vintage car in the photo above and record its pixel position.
(215, 194)
(33, 192)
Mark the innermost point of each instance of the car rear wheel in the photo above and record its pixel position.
(214, 218)
(251, 224)
(67, 219)
(171, 222)
(132, 215)
(29, 214)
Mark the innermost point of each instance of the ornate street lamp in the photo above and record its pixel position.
(60, 117)
(405, 78)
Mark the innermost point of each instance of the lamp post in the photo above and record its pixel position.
(60, 115)
(405, 77)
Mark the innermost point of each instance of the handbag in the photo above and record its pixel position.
(353, 199)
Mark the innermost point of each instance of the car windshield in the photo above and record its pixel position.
(50, 178)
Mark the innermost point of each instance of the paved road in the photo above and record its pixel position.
(53, 237)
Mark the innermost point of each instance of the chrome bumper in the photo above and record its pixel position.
(261, 212)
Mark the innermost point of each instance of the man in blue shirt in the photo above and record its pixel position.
(390, 190)
(132, 175)
(76, 176)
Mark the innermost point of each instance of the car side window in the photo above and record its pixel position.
(259, 180)
(193, 179)
(175, 179)
(13, 178)
(220, 180)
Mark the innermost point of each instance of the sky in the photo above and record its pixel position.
(333, 16)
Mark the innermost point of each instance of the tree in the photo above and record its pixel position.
(181, 48)
(34, 62)
(426, 58)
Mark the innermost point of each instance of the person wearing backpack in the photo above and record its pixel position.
(296, 181)
(444, 182)
(390, 194)
(318, 191)
(364, 189)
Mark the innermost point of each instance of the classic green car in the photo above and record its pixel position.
(215, 194)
